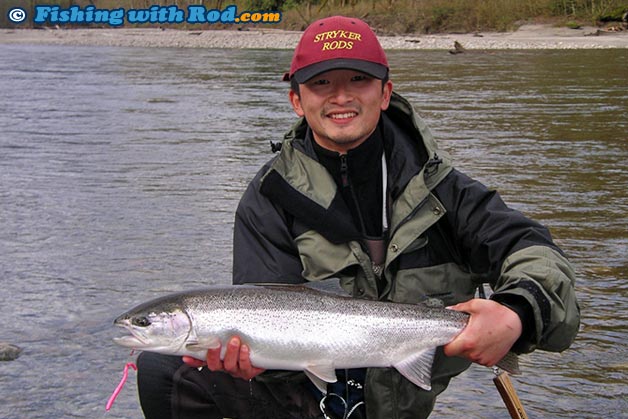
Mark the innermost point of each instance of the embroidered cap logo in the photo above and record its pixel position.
(333, 40)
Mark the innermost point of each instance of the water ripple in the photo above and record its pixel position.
(121, 168)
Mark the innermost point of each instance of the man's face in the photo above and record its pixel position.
(342, 107)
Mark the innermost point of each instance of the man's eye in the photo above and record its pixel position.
(359, 78)
(320, 82)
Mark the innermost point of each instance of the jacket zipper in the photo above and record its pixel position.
(346, 183)
(344, 170)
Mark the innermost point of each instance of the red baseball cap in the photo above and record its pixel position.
(337, 42)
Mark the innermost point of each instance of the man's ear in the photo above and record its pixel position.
(387, 89)
(295, 101)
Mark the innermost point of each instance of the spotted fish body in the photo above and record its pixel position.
(296, 328)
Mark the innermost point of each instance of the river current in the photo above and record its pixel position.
(121, 168)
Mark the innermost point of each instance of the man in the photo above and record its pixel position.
(361, 192)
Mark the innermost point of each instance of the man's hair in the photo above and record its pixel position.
(294, 84)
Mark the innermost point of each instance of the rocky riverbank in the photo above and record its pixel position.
(527, 37)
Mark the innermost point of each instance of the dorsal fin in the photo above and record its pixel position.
(328, 286)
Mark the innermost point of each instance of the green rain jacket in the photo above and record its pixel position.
(447, 235)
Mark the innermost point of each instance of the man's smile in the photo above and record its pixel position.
(345, 115)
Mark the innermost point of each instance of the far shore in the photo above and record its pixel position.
(526, 37)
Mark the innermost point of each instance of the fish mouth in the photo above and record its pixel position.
(134, 340)
(130, 342)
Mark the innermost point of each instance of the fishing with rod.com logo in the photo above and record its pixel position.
(168, 14)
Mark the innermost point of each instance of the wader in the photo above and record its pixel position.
(170, 389)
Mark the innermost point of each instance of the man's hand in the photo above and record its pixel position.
(237, 360)
(492, 330)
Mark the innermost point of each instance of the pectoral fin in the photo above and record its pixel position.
(321, 374)
(418, 368)
(194, 343)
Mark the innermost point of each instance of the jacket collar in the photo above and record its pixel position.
(408, 141)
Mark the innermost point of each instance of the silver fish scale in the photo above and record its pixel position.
(292, 328)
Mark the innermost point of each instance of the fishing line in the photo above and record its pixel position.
(347, 412)
(125, 375)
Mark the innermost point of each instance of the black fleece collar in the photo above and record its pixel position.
(364, 161)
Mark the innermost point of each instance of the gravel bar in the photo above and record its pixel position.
(526, 37)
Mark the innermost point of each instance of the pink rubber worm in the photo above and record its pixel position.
(118, 389)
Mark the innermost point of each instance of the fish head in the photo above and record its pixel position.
(155, 328)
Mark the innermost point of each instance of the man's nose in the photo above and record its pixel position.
(341, 94)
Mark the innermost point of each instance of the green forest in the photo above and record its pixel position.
(386, 16)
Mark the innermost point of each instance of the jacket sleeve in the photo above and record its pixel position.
(527, 271)
(263, 248)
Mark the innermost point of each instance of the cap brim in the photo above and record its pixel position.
(372, 69)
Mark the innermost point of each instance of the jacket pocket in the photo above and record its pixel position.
(446, 282)
(321, 258)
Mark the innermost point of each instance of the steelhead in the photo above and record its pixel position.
(295, 328)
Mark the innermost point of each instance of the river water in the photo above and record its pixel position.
(121, 168)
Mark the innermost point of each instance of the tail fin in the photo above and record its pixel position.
(510, 363)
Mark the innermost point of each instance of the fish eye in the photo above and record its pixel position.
(141, 321)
